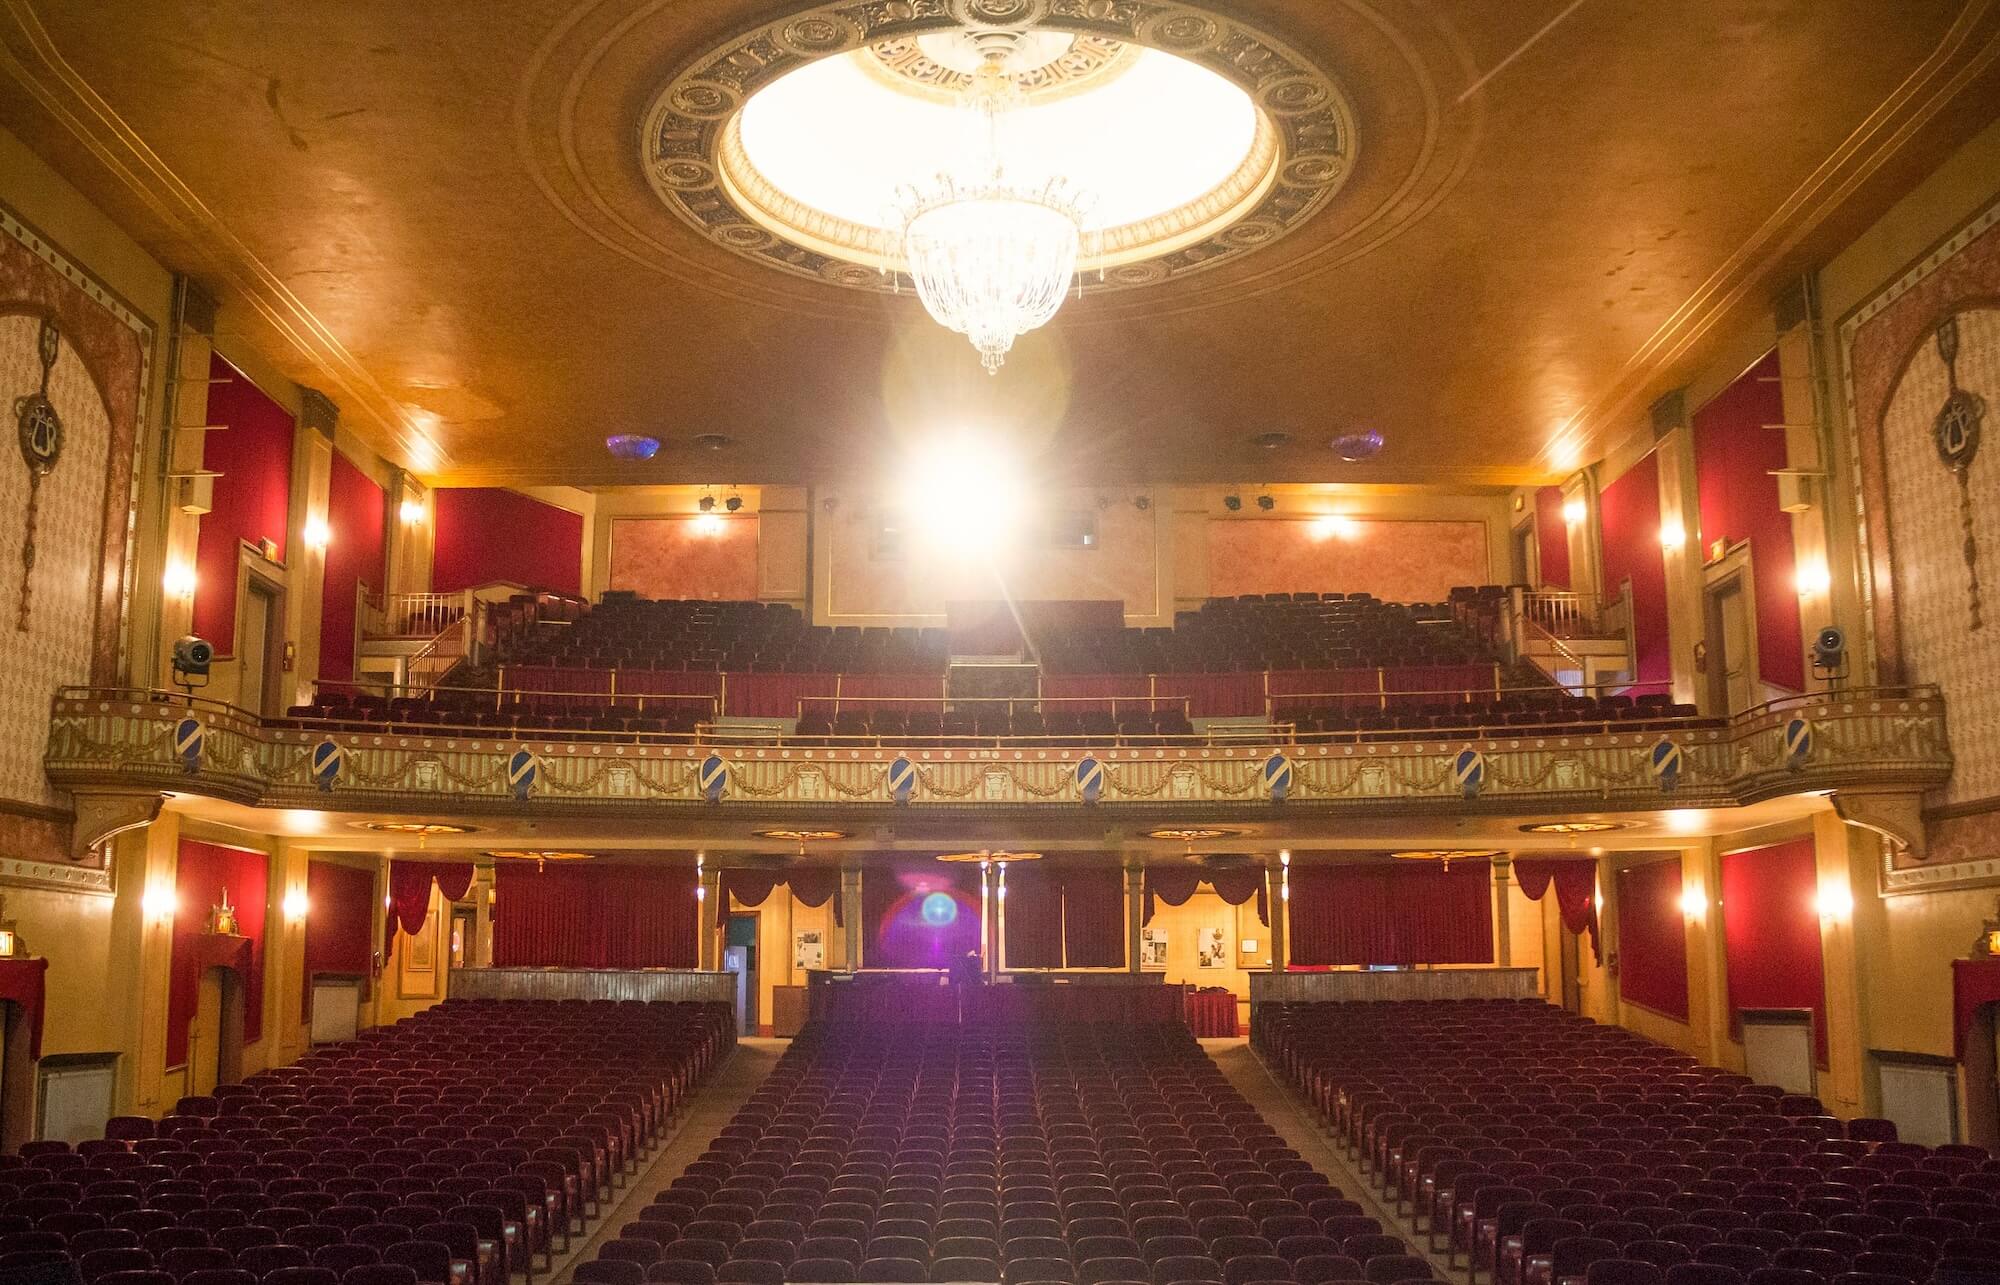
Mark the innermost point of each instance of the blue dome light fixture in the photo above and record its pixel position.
(632, 446)
(1355, 447)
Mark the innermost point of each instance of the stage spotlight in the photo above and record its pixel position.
(965, 495)
(1265, 504)
(733, 503)
(707, 504)
(1232, 502)
(1142, 502)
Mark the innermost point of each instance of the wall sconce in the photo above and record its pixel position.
(159, 902)
(1335, 526)
(1672, 536)
(178, 580)
(412, 511)
(1694, 903)
(1575, 511)
(295, 905)
(1284, 856)
(1835, 902)
(317, 534)
(7, 943)
(1814, 579)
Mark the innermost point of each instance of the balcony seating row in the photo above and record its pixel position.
(1025, 1155)
(409, 1156)
(1544, 1149)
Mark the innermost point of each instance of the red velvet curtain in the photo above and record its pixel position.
(1093, 918)
(410, 890)
(608, 916)
(1652, 938)
(1079, 693)
(1576, 892)
(1171, 884)
(1175, 884)
(1032, 921)
(1215, 695)
(340, 921)
(205, 872)
(919, 916)
(811, 887)
(1770, 928)
(1392, 913)
(1240, 885)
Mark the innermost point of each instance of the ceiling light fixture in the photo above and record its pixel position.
(1573, 827)
(1191, 834)
(632, 446)
(733, 503)
(1233, 502)
(707, 504)
(1355, 447)
(1265, 504)
(801, 836)
(991, 243)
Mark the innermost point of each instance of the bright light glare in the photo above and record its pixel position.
(1160, 135)
(1835, 901)
(1694, 903)
(707, 524)
(1686, 821)
(964, 496)
(1672, 535)
(317, 534)
(1335, 526)
(1574, 512)
(295, 905)
(1814, 578)
(159, 902)
(413, 511)
(178, 580)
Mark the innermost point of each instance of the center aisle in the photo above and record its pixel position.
(715, 1104)
(1283, 1111)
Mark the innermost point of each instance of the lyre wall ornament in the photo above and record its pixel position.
(41, 441)
(1955, 432)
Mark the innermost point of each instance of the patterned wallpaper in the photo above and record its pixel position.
(682, 557)
(74, 629)
(1397, 561)
(1934, 530)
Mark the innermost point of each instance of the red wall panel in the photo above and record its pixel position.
(205, 872)
(486, 534)
(1770, 928)
(1551, 538)
(253, 497)
(1392, 912)
(1734, 453)
(1652, 938)
(355, 511)
(340, 924)
(1629, 510)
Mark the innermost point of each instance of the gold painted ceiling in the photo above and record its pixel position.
(436, 213)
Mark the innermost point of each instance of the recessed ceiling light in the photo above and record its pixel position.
(713, 441)
(1191, 834)
(1270, 441)
(1355, 447)
(801, 836)
(1574, 827)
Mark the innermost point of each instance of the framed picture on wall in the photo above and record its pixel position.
(809, 949)
(1153, 950)
(1212, 949)
(416, 961)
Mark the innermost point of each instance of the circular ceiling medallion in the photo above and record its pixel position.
(801, 836)
(1355, 447)
(1203, 138)
(540, 854)
(1192, 834)
(1002, 857)
(421, 829)
(1575, 827)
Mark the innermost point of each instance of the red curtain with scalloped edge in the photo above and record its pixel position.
(923, 915)
(1429, 912)
(583, 916)
(1770, 929)
(410, 891)
(1175, 884)
(1652, 938)
(206, 872)
(812, 888)
(1575, 883)
(340, 921)
(1032, 917)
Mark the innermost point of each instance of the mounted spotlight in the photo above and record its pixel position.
(707, 504)
(192, 657)
(1829, 653)
(1233, 502)
(1265, 504)
(733, 503)
(1142, 502)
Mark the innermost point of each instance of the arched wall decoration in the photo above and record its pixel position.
(1305, 150)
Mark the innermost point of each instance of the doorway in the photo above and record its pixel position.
(215, 1037)
(260, 641)
(1524, 555)
(1572, 987)
(739, 955)
(1730, 631)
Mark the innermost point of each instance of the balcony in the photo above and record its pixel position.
(107, 743)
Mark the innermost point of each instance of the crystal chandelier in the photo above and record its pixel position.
(990, 242)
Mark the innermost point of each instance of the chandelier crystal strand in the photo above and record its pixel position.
(991, 245)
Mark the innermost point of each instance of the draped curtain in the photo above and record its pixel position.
(410, 891)
(1175, 884)
(812, 888)
(1392, 913)
(1575, 883)
(339, 924)
(610, 916)
(903, 925)
(1032, 917)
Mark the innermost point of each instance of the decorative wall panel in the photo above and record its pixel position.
(1922, 365)
(684, 557)
(1397, 561)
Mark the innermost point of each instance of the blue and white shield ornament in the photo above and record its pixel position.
(714, 778)
(1468, 772)
(902, 780)
(1798, 743)
(1277, 777)
(189, 738)
(327, 761)
(1089, 779)
(1666, 762)
(523, 771)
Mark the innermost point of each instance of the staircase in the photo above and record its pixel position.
(1579, 641)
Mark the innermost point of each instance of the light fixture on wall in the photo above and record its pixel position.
(1814, 578)
(159, 902)
(733, 503)
(1233, 502)
(1672, 535)
(295, 905)
(1265, 504)
(412, 512)
(178, 580)
(706, 504)
(317, 534)
(1835, 902)
(1335, 526)
(1575, 511)
(1694, 903)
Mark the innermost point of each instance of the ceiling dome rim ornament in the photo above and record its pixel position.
(1303, 114)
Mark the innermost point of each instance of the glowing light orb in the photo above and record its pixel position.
(938, 910)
